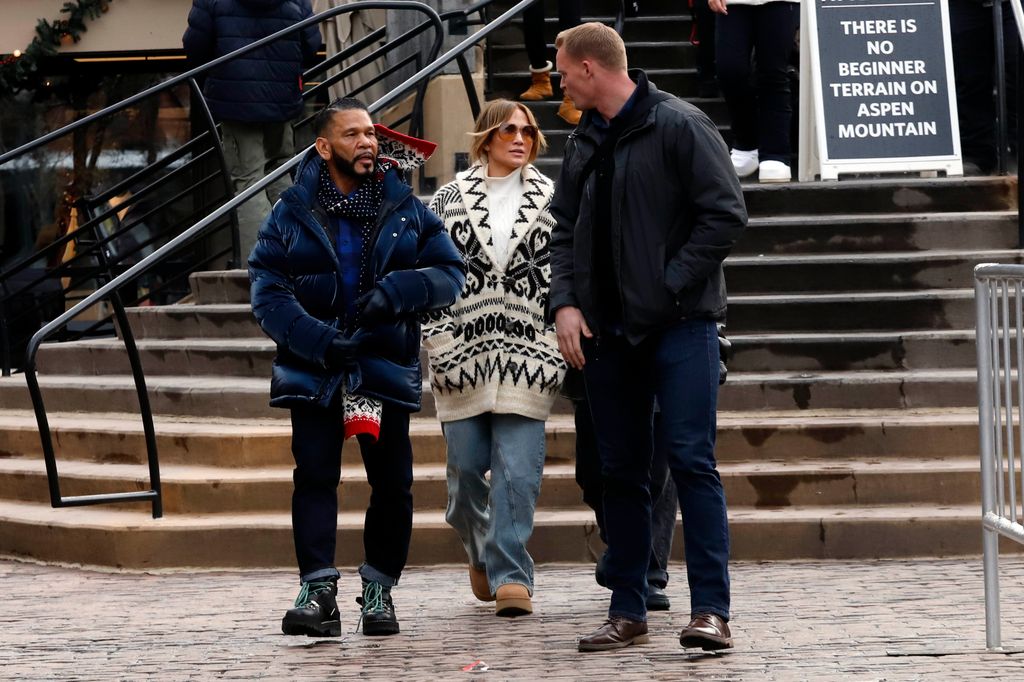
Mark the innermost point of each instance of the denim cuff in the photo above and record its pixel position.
(328, 573)
(639, 618)
(721, 613)
(371, 574)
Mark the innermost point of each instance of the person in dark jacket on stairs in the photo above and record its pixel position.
(256, 96)
(647, 207)
(344, 265)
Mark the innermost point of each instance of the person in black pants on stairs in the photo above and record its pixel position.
(570, 13)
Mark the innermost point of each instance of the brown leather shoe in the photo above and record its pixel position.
(478, 581)
(616, 633)
(513, 600)
(706, 631)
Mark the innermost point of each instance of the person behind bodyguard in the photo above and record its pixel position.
(495, 368)
(344, 264)
(256, 96)
(647, 207)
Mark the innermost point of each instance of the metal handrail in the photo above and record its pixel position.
(152, 170)
(111, 290)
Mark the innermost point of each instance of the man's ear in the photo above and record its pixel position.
(323, 148)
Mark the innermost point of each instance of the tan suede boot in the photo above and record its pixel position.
(541, 87)
(478, 581)
(513, 600)
(568, 112)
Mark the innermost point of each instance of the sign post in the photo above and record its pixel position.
(881, 96)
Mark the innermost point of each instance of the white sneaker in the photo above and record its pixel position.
(745, 163)
(774, 171)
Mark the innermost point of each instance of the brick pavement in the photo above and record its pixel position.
(850, 620)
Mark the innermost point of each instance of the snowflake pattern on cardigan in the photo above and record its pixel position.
(492, 350)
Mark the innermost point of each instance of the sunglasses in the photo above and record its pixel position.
(508, 131)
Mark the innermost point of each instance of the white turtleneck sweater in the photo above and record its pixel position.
(504, 196)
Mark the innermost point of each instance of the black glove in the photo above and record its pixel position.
(375, 308)
(341, 351)
(724, 353)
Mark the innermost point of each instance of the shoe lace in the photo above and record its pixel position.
(309, 590)
(374, 600)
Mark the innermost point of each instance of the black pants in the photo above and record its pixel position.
(704, 36)
(664, 501)
(570, 14)
(317, 436)
(974, 71)
(760, 112)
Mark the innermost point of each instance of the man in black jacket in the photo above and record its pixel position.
(254, 97)
(345, 262)
(647, 208)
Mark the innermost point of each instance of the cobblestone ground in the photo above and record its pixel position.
(866, 620)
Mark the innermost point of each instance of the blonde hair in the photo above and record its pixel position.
(595, 41)
(490, 119)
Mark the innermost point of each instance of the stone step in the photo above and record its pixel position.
(220, 286)
(781, 435)
(671, 24)
(131, 539)
(546, 112)
(782, 351)
(248, 398)
(511, 57)
(878, 232)
(828, 351)
(214, 490)
(601, 7)
(910, 195)
(858, 311)
(678, 80)
(889, 271)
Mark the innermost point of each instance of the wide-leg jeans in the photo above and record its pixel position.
(495, 519)
(679, 368)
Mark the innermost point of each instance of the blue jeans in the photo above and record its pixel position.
(495, 520)
(679, 367)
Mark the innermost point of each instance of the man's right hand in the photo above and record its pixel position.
(569, 325)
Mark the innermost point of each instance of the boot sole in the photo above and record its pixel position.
(705, 643)
(639, 639)
(380, 630)
(510, 608)
(331, 628)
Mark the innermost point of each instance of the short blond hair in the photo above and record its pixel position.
(595, 41)
(490, 119)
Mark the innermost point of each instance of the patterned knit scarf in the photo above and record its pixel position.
(361, 414)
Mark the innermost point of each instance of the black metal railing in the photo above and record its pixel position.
(42, 284)
(114, 275)
(111, 289)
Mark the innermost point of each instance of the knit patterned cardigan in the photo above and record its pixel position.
(491, 351)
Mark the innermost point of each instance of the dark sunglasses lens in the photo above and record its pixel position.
(507, 132)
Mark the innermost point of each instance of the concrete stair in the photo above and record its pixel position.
(847, 428)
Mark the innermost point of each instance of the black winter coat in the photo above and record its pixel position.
(265, 84)
(677, 210)
(295, 279)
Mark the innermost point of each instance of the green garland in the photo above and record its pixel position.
(20, 72)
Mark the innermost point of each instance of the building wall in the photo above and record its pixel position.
(128, 25)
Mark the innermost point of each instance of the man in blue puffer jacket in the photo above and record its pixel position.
(344, 264)
(255, 96)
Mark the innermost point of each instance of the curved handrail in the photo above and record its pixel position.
(111, 288)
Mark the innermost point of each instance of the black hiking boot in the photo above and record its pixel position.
(378, 615)
(316, 611)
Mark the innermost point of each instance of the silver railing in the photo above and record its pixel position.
(999, 303)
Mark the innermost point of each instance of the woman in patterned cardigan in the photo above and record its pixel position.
(494, 361)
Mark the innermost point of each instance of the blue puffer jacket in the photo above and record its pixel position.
(263, 85)
(295, 279)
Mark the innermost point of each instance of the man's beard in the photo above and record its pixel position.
(346, 167)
